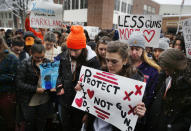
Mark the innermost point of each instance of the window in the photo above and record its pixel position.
(6, 15)
(124, 7)
(149, 9)
(129, 9)
(10, 15)
(83, 4)
(67, 4)
(75, 4)
(117, 5)
(145, 9)
(153, 10)
(2, 15)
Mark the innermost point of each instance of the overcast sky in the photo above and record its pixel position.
(186, 2)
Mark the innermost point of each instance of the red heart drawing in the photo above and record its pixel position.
(81, 78)
(189, 51)
(79, 102)
(151, 32)
(90, 93)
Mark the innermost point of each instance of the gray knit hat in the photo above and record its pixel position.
(173, 59)
(50, 37)
(163, 44)
(137, 39)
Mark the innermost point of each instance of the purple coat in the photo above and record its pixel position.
(151, 79)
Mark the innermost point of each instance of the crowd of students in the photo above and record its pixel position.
(26, 106)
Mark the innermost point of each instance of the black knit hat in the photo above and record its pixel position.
(28, 34)
(173, 59)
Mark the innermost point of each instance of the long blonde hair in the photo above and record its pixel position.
(150, 61)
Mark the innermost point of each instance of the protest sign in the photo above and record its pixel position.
(49, 74)
(149, 25)
(45, 14)
(92, 31)
(109, 97)
(186, 26)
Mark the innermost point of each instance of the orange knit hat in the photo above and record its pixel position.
(76, 39)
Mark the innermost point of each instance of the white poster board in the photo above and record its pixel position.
(109, 97)
(149, 25)
(45, 14)
(92, 31)
(186, 26)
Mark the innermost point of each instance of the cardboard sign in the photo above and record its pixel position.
(45, 14)
(49, 74)
(92, 31)
(109, 97)
(186, 26)
(149, 25)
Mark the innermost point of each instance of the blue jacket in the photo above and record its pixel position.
(8, 67)
(151, 79)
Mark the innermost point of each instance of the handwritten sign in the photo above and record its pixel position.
(109, 97)
(186, 26)
(92, 31)
(149, 25)
(49, 74)
(45, 14)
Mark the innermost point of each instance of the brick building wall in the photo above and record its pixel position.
(138, 6)
(100, 13)
(170, 24)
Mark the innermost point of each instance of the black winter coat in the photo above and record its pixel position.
(173, 112)
(69, 80)
(27, 80)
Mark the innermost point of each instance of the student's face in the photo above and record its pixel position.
(148, 49)
(102, 50)
(136, 53)
(17, 49)
(178, 45)
(157, 53)
(75, 53)
(49, 45)
(57, 37)
(38, 57)
(114, 62)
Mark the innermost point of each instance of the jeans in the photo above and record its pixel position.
(36, 116)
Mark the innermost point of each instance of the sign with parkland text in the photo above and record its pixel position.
(149, 25)
(186, 26)
(109, 97)
(45, 14)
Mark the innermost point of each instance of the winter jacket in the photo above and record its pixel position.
(23, 55)
(8, 68)
(69, 80)
(173, 112)
(151, 78)
(27, 79)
